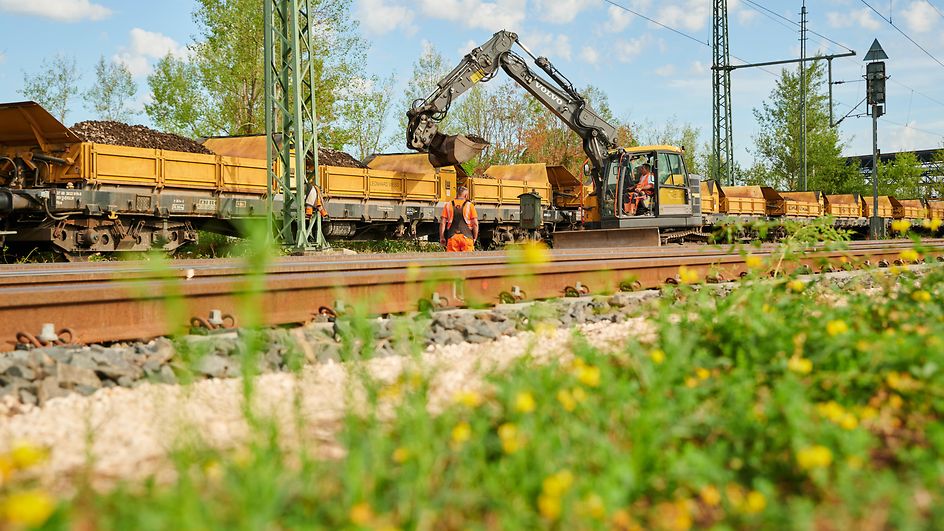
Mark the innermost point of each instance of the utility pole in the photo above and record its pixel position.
(803, 88)
(722, 137)
(875, 95)
(291, 121)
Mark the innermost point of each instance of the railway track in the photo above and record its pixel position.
(119, 301)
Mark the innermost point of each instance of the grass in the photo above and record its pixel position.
(821, 410)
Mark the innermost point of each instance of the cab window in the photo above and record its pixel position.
(671, 170)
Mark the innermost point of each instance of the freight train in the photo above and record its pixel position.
(60, 192)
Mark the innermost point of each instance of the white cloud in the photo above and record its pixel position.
(863, 17)
(627, 50)
(561, 11)
(589, 55)
(147, 46)
(553, 47)
(699, 67)
(746, 16)
(665, 70)
(62, 10)
(920, 16)
(492, 16)
(689, 15)
(467, 47)
(379, 17)
(3, 58)
(618, 19)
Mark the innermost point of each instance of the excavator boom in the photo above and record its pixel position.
(481, 64)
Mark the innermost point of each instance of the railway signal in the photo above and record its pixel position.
(875, 93)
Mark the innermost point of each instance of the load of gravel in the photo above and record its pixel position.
(121, 134)
(333, 157)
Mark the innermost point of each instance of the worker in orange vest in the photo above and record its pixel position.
(458, 233)
(644, 188)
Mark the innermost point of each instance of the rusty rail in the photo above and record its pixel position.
(131, 300)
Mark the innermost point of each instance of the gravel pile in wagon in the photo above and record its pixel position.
(139, 136)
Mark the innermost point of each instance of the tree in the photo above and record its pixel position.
(226, 69)
(428, 70)
(901, 177)
(778, 161)
(935, 186)
(113, 89)
(365, 111)
(54, 86)
(673, 133)
(177, 103)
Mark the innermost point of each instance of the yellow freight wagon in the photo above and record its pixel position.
(803, 204)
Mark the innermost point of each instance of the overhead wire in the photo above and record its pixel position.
(677, 31)
(934, 7)
(763, 8)
(892, 24)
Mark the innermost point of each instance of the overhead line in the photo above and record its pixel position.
(674, 30)
(795, 23)
(892, 24)
(934, 7)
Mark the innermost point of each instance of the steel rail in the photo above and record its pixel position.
(128, 301)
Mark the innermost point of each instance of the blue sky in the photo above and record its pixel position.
(649, 73)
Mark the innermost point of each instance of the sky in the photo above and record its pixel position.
(650, 74)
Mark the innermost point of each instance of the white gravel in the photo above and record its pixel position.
(126, 434)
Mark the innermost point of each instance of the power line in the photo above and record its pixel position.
(892, 24)
(934, 7)
(757, 6)
(677, 31)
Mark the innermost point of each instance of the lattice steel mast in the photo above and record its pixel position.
(291, 120)
(721, 138)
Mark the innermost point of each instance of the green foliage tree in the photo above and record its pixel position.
(777, 152)
(901, 177)
(675, 133)
(178, 104)
(430, 67)
(54, 85)
(365, 111)
(935, 187)
(114, 88)
(226, 69)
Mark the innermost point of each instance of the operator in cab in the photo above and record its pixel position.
(459, 223)
(644, 189)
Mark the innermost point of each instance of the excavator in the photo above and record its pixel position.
(618, 212)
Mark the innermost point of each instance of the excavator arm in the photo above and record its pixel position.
(481, 64)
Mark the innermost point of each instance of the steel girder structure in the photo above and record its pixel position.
(722, 142)
(291, 120)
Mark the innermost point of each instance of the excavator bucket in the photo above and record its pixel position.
(451, 150)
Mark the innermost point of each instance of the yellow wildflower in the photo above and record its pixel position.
(909, 255)
(813, 457)
(461, 433)
(901, 225)
(863, 346)
(688, 276)
(589, 375)
(26, 456)
(622, 521)
(868, 413)
(674, 516)
(921, 296)
(579, 394)
(524, 402)
(753, 262)
(691, 383)
(593, 506)
(837, 327)
(755, 502)
(657, 356)
(536, 253)
(549, 506)
(710, 495)
(848, 422)
(29, 508)
(566, 399)
(796, 285)
(702, 373)
(401, 455)
(361, 514)
(831, 410)
(557, 484)
(735, 494)
(799, 365)
(935, 224)
(896, 401)
(469, 399)
(511, 439)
